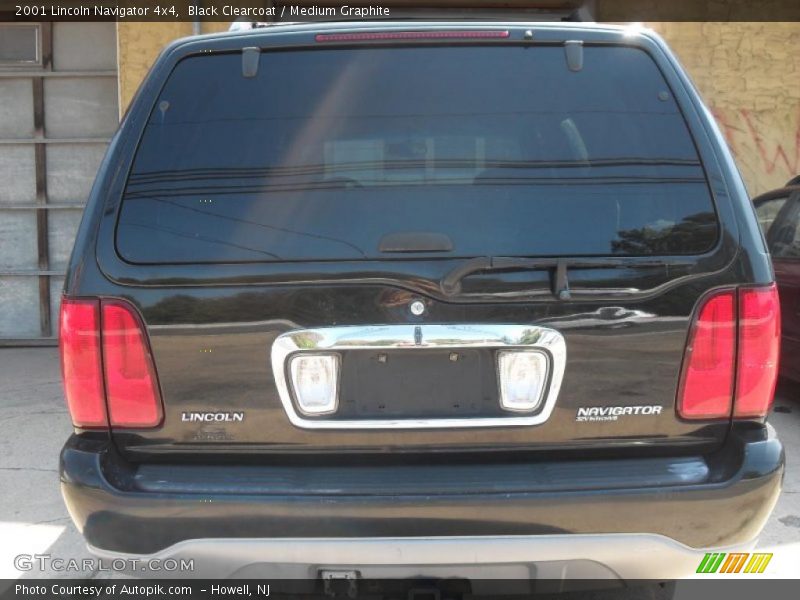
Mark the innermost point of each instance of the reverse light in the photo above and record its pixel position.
(730, 365)
(315, 380)
(108, 371)
(522, 375)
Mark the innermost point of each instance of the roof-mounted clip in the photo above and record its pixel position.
(250, 58)
(574, 53)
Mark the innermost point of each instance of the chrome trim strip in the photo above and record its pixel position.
(471, 335)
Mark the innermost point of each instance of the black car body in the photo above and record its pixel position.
(420, 298)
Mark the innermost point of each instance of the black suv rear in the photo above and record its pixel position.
(420, 298)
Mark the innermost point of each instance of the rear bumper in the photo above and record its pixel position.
(543, 557)
(589, 511)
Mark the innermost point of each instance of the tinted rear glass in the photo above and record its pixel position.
(502, 149)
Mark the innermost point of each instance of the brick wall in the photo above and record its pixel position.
(748, 73)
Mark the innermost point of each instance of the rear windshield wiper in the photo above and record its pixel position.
(451, 283)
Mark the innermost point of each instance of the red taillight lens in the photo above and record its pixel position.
(81, 366)
(106, 362)
(706, 386)
(759, 347)
(133, 396)
(730, 340)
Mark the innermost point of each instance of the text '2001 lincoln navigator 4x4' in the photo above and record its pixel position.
(420, 298)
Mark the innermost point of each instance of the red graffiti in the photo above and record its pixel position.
(773, 155)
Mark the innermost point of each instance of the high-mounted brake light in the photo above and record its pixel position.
(108, 370)
(410, 35)
(735, 339)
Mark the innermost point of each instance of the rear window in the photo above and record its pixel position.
(500, 150)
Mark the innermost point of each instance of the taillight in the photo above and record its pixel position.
(131, 387)
(759, 347)
(731, 361)
(108, 371)
(706, 386)
(81, 365)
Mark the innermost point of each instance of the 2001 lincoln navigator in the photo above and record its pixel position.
(420, 298)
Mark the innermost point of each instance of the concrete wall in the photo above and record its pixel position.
(748, 73)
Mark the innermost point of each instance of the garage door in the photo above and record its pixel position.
(58, 109)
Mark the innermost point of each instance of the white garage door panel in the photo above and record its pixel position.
(18, 240)
(80, 107)
(71, 52)
(17, 173)
(62, 226)
(16, 109)
(19, 307)
(56, 285)
(71, 169)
